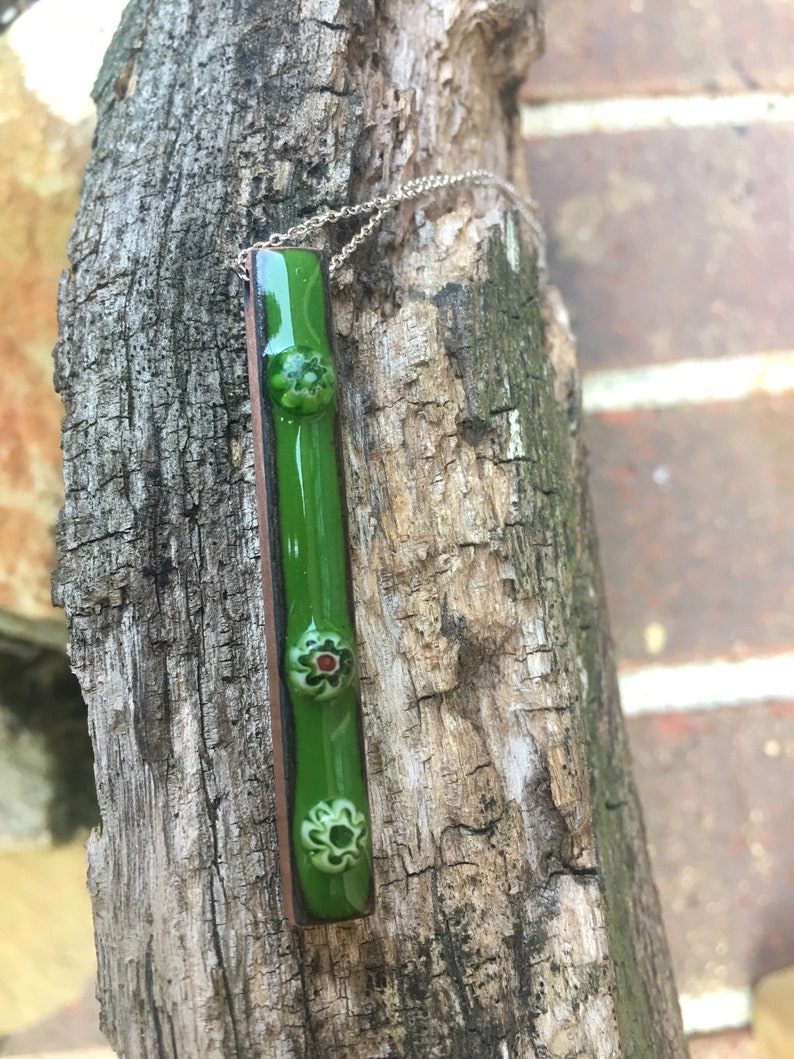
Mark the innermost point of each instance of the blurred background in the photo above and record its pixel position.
(660, 146)
(50, 53)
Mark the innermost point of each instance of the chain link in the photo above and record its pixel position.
(383, 204)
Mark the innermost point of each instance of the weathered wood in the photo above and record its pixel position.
(10, 10)
(516, 915)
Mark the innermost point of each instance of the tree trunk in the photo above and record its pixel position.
(515, 915)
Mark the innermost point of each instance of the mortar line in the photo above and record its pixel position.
(706, 685)
(637, 113)
(722, 1009)
(688, 382)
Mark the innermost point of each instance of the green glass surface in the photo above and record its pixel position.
(330, 823)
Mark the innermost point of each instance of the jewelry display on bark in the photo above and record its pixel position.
(322, 808)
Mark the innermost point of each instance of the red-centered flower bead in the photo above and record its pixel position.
(321, 664)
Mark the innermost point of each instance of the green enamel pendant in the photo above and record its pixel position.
(322, 808)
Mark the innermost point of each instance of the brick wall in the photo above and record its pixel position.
(660, 144)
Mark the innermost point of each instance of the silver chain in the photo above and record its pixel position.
(383, 204)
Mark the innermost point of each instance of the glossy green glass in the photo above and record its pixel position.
(327, 812)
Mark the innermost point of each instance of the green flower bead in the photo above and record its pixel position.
(334, 834)
(322, 664)
(301, 381)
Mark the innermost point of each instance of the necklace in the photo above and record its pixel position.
(322, 808)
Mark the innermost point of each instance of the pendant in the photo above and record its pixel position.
(324, 830)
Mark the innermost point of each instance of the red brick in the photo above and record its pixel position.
(600, 48)
(695, 516)
(671, 243)
(75, 1026)
(41, 169)
(718, 802)
(733, 1044)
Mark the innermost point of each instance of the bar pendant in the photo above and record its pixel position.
(324, 830)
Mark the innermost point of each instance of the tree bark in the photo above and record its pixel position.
(516, 913)
(10, 10)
